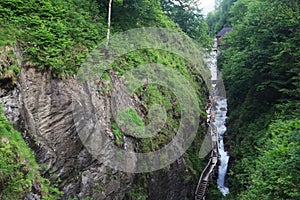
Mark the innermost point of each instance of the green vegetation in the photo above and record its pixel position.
(56, 36)
(53, 35)
(131, 122)
(259, 60)
(128, 14)
(260, 65)
(19, 172)
(220, 18)
(194, 164)
(276, 174)
(153, 95)
(189, 18)
(9, 67)
(117, 133)
(137, 192)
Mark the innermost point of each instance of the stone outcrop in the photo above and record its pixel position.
(41, 107)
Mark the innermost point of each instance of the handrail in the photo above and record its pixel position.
(204, 177)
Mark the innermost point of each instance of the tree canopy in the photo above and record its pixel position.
(189, 17)
(260, 63)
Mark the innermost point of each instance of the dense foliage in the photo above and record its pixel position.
(276, 172)
(53, 35)
(128, 14)
(19, 172)
(56, 35)
(188, 16)
(219, 18)
(261, 69)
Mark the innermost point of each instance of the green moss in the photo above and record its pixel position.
(18, 168)
(117, 133)
(130, 116)
(130, 121)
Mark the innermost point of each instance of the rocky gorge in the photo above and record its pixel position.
(43, 148)
(41, 108)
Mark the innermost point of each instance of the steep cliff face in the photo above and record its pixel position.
(42, 108)
(46, 119)
(171, 184)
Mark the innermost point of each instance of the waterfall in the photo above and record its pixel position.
(220, 107)
(219, 123)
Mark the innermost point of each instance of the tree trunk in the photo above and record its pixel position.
(108, 22)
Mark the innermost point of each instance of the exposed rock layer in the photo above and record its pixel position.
(42, 108)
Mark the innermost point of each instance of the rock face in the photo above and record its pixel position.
(42, 108)
(46, 120)
(171, 184)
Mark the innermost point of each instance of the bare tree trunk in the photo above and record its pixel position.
(108, 22)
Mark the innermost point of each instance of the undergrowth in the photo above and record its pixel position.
(19, 171)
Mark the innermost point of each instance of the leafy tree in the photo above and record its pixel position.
(261, 73)
(220, 18)
(130, 14)
(276, 173)
(189, 18)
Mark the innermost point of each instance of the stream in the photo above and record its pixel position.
(219, 123)
(220, 107)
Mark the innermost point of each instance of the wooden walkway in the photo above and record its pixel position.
(208, 171)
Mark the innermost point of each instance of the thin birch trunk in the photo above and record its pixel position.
(108, 22)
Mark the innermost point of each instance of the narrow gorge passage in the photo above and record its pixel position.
(219, 120)
(216, 110)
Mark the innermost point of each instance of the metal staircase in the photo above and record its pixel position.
(208, 171)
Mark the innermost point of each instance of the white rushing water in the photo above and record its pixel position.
(220, 118)
(219, 123)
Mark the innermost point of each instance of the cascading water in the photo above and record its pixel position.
(219, 123)
(220, 109)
